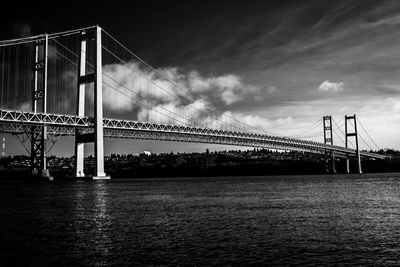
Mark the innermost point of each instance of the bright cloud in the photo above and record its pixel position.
(261, 123)
(229, 97)
(328, 86)
(229, 88)
(271, 89)
(174, 113)
(167, 95)
(170, 96)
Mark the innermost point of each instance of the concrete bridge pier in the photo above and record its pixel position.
(333, 163)
(347, 165)
(359, 170)
(79, 145)
(98, 112)
(97, 137)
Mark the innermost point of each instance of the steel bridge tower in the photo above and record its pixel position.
(328, 139)
(355, 134)
(38, 135)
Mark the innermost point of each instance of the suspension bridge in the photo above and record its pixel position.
(85, 83)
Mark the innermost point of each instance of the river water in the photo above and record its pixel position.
(302, 220)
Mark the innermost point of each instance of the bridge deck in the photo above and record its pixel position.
(19, 122)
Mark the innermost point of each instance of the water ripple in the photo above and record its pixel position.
(294, 220)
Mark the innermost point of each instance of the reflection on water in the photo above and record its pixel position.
(201, 221)
(92, 220)
(102, 219)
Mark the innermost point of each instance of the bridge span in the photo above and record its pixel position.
(43, 76)
(12, 121)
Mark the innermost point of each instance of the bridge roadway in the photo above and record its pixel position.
(12, 121)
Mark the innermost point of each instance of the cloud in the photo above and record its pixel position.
(271, 89)
(126, 88)
(171, 96)
(228, 88)
(328, 86)
(246, 122)
(189, 115)
(229, 97)
(261, 123)
(132, 85)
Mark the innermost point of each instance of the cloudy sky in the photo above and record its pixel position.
(283, 64)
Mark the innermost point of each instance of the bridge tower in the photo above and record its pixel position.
(328, 139)
(38, 134)
(355, 134)
(96, 78)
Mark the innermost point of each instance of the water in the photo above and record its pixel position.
(304, 220)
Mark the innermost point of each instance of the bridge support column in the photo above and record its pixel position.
(353, 134)
(359, 170)
(98, 112)
(83, 79)
(346, 144)
(80, 146)
(347, 164)
(38, 134)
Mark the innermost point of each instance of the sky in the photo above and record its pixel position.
(277, 65)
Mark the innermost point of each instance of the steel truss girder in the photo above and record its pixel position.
(37, 146)
(65, 125)
(44, 119)
(193, 138)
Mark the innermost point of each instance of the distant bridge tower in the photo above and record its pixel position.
(355, 134)
(83, 79)
(38, 135)
(328, 139)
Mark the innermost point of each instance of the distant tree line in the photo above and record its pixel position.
(221, 163)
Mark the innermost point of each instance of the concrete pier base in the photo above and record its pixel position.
(101, 177)
(347, 166)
